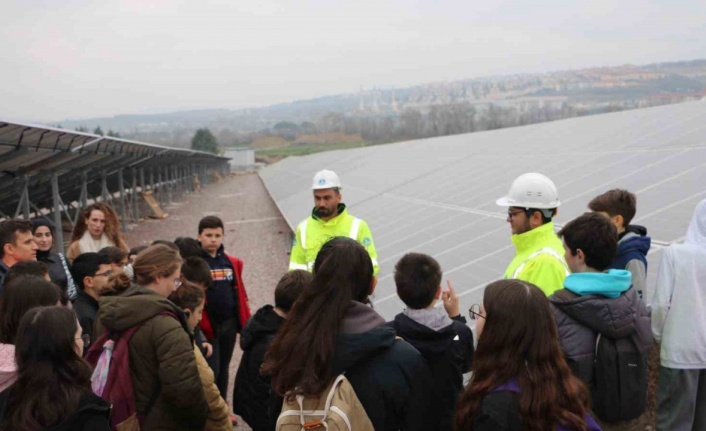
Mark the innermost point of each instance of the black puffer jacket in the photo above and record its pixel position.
(580, 318)
(389, 376)
(251, 396)
(448, 352)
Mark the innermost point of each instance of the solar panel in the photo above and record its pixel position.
(437, 196)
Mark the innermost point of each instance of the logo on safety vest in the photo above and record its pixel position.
(366, 242)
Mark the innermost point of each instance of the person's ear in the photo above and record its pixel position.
(437, 295)
(187, 313)
(373, 284)
(581, 255)
(8, 249)
(619, 221)
(88, 281)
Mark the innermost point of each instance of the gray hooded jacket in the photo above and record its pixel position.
(580, 319)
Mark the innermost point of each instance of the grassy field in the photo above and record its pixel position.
(306, 149)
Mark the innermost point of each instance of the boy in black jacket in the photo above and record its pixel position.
(442, 337)
(253, 397)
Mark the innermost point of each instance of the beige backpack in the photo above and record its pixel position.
(337, 409)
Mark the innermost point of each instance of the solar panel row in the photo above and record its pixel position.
(438, 195)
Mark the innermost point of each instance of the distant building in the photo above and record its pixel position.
(241, 159)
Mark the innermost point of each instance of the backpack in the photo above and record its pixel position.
(337, 409)
(619, 389)
(109, 356)
(512, 385)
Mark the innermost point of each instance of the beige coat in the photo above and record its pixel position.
(218, 412)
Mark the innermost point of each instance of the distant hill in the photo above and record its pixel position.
(626, 86)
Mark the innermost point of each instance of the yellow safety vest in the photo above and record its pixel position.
(313, 232)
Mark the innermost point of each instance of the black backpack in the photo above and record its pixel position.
(619, 389)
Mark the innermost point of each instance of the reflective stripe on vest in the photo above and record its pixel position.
(545, 250)
(302, 231)
(354, 229)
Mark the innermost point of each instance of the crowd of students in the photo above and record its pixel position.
(105, 336)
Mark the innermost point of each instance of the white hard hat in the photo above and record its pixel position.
(531, 190)
(326, 179)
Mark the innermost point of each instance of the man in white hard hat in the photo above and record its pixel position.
(328, 219)
(539, 254)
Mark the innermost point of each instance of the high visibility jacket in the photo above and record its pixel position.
(313, 232)
(539, 259)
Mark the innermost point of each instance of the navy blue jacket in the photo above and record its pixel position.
(633, 245)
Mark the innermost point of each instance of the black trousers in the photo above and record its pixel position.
(226, 333)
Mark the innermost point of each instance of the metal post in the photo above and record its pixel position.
(152, 180)
(123, 212)
(135, 201)
(23, 204)
(58, 227)
(160, 185)
(83, 200)
(105, 194)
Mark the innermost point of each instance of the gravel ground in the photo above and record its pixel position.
(255, 232)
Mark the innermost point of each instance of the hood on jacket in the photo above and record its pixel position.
(425, 339)
(614, 317)
(609, 284)
(135, 305)
(634, 238)
(363, 334)
(696, 233)
(263, 324)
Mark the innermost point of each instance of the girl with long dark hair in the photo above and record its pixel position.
(19, 296)
(331, 329)
(53, 388)
(520, 378)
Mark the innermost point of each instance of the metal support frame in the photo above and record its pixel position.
(135, 197)
(23, 204)
(58, 204)
(123, 203)
(105, 194)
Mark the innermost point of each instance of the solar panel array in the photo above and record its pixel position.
(437, 196)
(33, 153)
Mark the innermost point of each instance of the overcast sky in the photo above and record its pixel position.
(78, 59)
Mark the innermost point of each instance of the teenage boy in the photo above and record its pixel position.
(633, 243)
(227, 308)
(253, 397)
(441, 336)
(90, 272)
(599, 302)
(16, 244)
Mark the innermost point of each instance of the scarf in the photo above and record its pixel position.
(88, 245)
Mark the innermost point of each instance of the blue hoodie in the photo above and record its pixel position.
(609, 284)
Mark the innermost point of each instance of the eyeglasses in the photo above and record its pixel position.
(511, 214)
(86, 338)
(474, 312)
(177, 283)
(107, 273)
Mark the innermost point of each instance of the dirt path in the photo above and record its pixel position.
(255, 232)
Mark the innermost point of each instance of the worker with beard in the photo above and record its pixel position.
(328, 219)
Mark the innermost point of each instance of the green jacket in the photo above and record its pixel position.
(161, 358)
(313, 232)
(539, 259)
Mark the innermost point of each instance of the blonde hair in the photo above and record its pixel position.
(154, 262)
